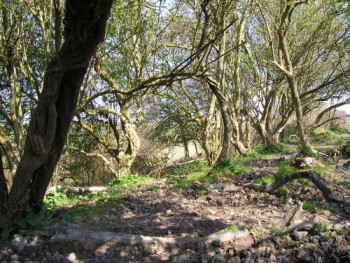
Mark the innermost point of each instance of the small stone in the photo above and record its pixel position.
(185, 258)
(235, 259)
(19, 242)
(72, 257)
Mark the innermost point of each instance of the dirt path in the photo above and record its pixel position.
(157, 209)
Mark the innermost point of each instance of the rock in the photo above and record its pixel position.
(72, 257)
(188, 256)
(235, 259)
(306, 162)
(299, 235)
(19, 243)
(304, 255)
(273, 258)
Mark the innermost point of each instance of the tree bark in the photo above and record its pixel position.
(126, 159)
(186, 148)
(227, 124)
(3, 185)
(85, 29)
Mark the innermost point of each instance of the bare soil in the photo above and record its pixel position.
(157, 209)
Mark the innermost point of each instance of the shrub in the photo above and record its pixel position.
(345, 149)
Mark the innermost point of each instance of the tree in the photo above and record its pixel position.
(84, 30)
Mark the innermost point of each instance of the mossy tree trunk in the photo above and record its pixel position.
(85, 29)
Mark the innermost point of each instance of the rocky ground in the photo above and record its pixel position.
(195, 211)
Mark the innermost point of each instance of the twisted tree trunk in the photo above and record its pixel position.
(85, 29)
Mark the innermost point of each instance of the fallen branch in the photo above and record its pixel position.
(301, 226)
(80, 190)
(290, 216)
(240, 237)
(319, 182)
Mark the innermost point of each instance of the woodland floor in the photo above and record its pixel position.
(157, 208)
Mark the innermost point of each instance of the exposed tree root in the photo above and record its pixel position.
(319, 182)
(90, 239)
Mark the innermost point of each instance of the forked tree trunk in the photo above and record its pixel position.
(126, 159)
(85, 29)
(227, 124)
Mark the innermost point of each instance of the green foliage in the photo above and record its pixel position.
(325, 136)
(274, 149)
(128, 180)
(231, 228)
(307, 151)
(324, 170)
(344, 183)
(310, 206)
(285, 168)
(292, 139)
(181, 181)
(283, 191)
(58, 197)
(338, 129)
(193, 167)
(31, 220)
(266, 180)
(345, 149)
(325, 229)
(234, 165)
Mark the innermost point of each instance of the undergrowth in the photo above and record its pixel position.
(78, 204)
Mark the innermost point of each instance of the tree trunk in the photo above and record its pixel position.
(186, 148)
(126, 159)
(305, 146)
(227, 124)
(85, 29)
(207, 144)
(3, 184)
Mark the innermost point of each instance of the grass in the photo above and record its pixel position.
(196, 166)
(235, 165)
(325, 136)
(285, 167)
(182, 181)
(94, 202)
(324, 170)
(284, 147)
(310, 206)
(266, 180)
(231, 228)
(344, 183)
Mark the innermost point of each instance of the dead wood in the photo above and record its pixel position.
(301, 226)
(319, 182)
(239, 237)
(290, 216)
(80, 190)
